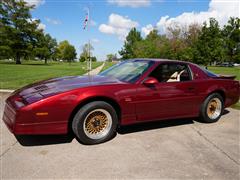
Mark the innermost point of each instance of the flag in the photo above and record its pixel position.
(86, 21)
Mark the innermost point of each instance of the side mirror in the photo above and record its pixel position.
(150, 81)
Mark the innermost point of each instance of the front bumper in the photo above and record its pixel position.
(11, 119)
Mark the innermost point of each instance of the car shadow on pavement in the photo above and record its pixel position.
(39, 140)
(153, 125)
(145, 126)
(225, 111)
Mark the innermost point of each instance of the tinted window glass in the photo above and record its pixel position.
(209, 73)
(171, 72)
(128, 71)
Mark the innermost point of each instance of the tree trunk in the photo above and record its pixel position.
(45, 60)
(18, 60)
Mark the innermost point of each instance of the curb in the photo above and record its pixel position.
(6, 91)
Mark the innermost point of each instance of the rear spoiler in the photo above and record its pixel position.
(220, 76)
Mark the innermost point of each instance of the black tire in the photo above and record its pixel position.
(79, 120)
(208, 114)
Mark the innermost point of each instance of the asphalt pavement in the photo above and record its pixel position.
(175, 149)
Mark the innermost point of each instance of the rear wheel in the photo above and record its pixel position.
(95, 123)
(212, 108)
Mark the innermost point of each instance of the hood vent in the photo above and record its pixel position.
(41, 88)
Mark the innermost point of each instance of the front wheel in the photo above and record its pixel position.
(212, 108)
(95, 123)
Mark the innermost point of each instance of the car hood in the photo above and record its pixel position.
(37, 91)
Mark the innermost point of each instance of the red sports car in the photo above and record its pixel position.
(133, 91)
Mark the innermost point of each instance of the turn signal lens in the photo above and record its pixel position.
(42, 113)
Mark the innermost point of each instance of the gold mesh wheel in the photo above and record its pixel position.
(97, 124)
(214, 108)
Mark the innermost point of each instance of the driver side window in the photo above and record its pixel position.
(171, 72)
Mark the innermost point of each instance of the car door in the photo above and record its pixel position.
(172, 97)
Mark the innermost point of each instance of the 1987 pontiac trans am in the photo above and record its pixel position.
(133, 91)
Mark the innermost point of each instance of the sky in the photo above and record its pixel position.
(111, 20)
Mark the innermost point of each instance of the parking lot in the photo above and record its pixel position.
(168, 149)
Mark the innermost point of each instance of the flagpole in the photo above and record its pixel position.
(89, 21)
(89, 58)
(87, 25)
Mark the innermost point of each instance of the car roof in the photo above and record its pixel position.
(161, 60)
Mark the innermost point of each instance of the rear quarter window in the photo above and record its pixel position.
(207, 72)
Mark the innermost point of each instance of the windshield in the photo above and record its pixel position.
(128, 71)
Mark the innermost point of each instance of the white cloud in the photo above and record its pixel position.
(221, 10)
(121, 22)
(42, 26)
(118, 25)
(53, 21)
(131, 3)
(35, 2)
(147, 29)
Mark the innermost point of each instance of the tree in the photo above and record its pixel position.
(192, 33)
(82, 59)
(175, 34)
(231, 33)
(153, 46)
(111, 57)
(46, 47)
(145, 49)
(133, 37)
(94, 59)
(61, 47)
(66, 51)
(56, 52)
(18, 32)
(51, 44)
(210, 44)
(5, 51)
(202, 44)
(153, 35)
(86, 49)
(183, 41)
(69, 53)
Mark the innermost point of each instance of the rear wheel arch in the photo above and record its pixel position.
(218, 91)
(108, 100)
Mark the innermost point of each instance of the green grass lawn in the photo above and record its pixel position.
(14, 76)
(226, 71)
(236, 106)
